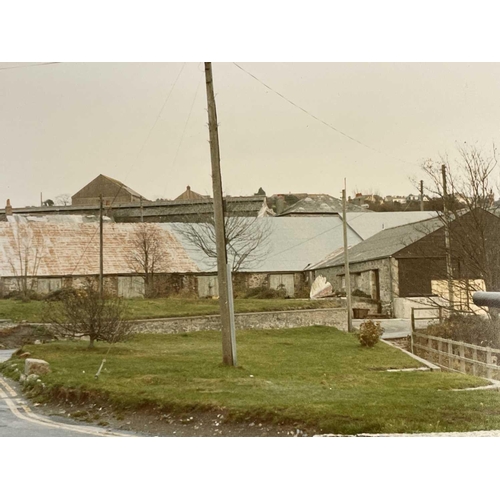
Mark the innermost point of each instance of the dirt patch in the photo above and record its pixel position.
(13, 337)
(403, 343)
(153, 423)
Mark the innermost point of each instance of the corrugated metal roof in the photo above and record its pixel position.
(72, 247)
(370, 223)
(241, 205)
(320, 204)
(237, 205)
(385, 243)
(294, 243)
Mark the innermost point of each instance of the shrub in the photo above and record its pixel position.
(86, 313)
(60, 294)
(24, 296)
(471, 329)
(263, 292)
(369, 333)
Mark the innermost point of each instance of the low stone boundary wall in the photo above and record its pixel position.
(246, 321)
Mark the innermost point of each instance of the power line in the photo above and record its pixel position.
(315, 236)
(185, 127)
(157, 118)
(133, 164)
(5, 68)
(350, 137)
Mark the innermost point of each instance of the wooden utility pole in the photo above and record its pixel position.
(421, 196)
(447, 245)
(346, 264)
(101, 249)
(223, 270)
(142, 211)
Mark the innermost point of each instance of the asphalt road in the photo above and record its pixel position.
(18, 418)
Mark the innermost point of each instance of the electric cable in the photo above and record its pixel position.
(132, 165)
(350, 137)
(6, 68)
(184, 130)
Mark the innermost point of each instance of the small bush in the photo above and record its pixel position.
(87, 313)
(60, 294)
(369, 333)
(25, 297)
(263, 292)
(184, 293)
(471, 329)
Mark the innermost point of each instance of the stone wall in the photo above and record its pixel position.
(244, 321)
(362, 278)
(164, 284)
(363, 303)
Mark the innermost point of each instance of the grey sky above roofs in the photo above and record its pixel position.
(61, 125)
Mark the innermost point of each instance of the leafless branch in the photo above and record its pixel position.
(148, 253)
(247, 239)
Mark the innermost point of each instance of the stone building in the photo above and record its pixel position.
(409, 261)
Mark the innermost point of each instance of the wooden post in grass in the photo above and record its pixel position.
(461, 351)
(474, 365)
(223, 272)
(489, 361)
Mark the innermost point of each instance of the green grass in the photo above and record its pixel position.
(316, 377)
(34, 311)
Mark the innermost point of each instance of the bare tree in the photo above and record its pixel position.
(247, 239)
(470, 178)
(84, 312)
(468, 216)
(148, 254)
(63, 199)
(28, 253)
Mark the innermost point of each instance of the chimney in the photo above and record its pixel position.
(8, 208)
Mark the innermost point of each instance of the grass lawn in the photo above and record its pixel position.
(316, 377)
(35, 310)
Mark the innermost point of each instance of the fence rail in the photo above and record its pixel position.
(415, 318)
(466, 358)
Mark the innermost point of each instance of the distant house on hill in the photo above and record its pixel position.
(396, 199)
(366, 199)
(318, 205)
(112, 191)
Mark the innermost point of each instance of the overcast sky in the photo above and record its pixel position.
(145, 124)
